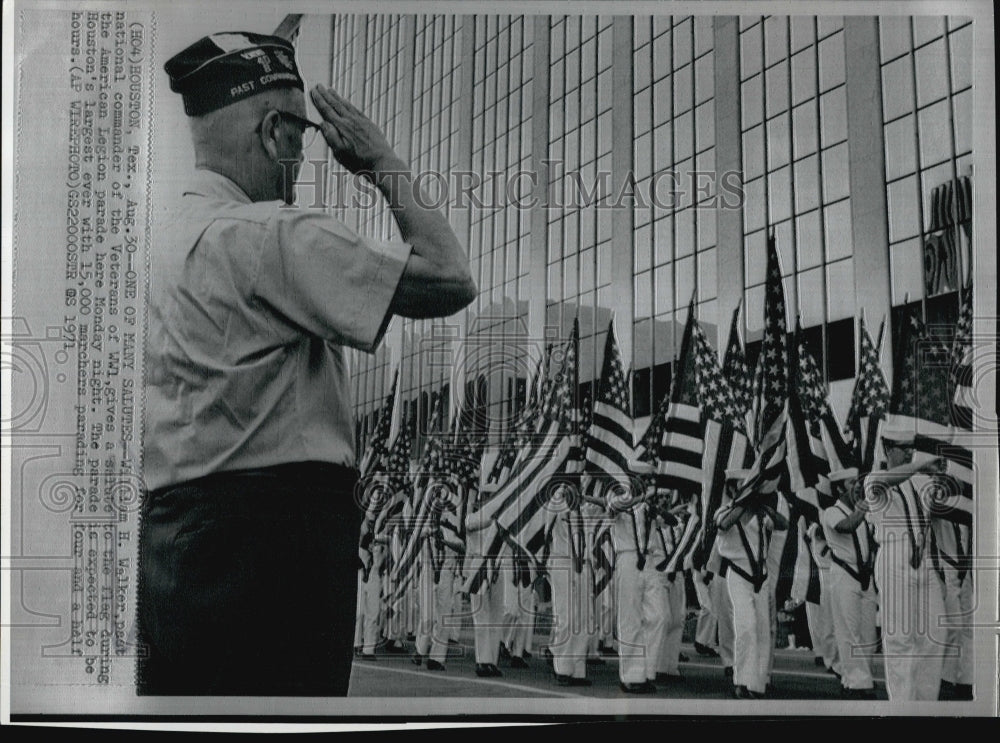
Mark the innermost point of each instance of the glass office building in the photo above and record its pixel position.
(624, 167)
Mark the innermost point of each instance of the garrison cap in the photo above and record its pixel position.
(227, 67)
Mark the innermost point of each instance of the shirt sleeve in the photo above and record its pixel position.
(327, 279)
(831, 517)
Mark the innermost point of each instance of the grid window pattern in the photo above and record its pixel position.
(674, 240)
(499, 221)
(926, 65)
(578, 244)
(437, 118)
(376, 87)
(795, 163)
(501, 148)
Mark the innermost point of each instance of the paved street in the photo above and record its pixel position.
(795, 677)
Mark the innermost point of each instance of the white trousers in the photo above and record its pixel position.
(722, 605)
(752, 630)
(641, 617)
(436, 601)
(707, 625)
(519, 616)
(372, 600)
(853, 611)
(487, 621)
(819, 617)
(958, 604)
(571, 607)
(673, 627)
(910, 603)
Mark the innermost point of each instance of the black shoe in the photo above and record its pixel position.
(416, 659)
(504, 652)
(963, 692)
(595, 661)
(433, 665)
(411, 637)
(518, 662)
(727, 672)
(669, 677)
(637, 688)
(742, 692)
(611, 652)
(394, 649)
(494, 671)
(705, 650)
(683, 658)
(562, 679)
(526, 655)
(483, 670)
(367, 656)
(818, 660)
(548, 656)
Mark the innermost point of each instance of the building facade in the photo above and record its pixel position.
(626, 167)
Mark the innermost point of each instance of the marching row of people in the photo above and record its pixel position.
(879, 565)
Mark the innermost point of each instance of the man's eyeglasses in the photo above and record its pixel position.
(307, 128)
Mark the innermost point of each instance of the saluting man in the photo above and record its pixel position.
(249, 540)
(853, 601)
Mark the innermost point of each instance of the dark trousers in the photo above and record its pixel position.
(248, 583)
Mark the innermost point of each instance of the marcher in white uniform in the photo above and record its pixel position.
(570, 600)
(744, 537)
(486, 604)
(853, 601)
(951, 552)
(439, 560)
(819, 616)
(669, 531)
(910, 593)
(641, 595)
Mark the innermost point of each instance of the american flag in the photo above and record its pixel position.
(678, 542)
(815, 446)
(609, 441)
(735, 369)
(378, 446)
(921, 403)
(963, 399)
(434, 490)
(372, 478)
(648, 447)
(869, 401)
(726, 446)
(517, 512)
(519, 434)
(769, 464)
(681, 446)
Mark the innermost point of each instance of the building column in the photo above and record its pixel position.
(621, 299)
(728, 158)
(538, 238)
(457, 327)
(866, 169)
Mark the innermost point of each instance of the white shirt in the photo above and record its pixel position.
(251, 305)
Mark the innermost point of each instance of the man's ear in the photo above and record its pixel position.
(269, 134)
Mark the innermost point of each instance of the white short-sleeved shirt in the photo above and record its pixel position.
(251, 305)
(842, 545)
